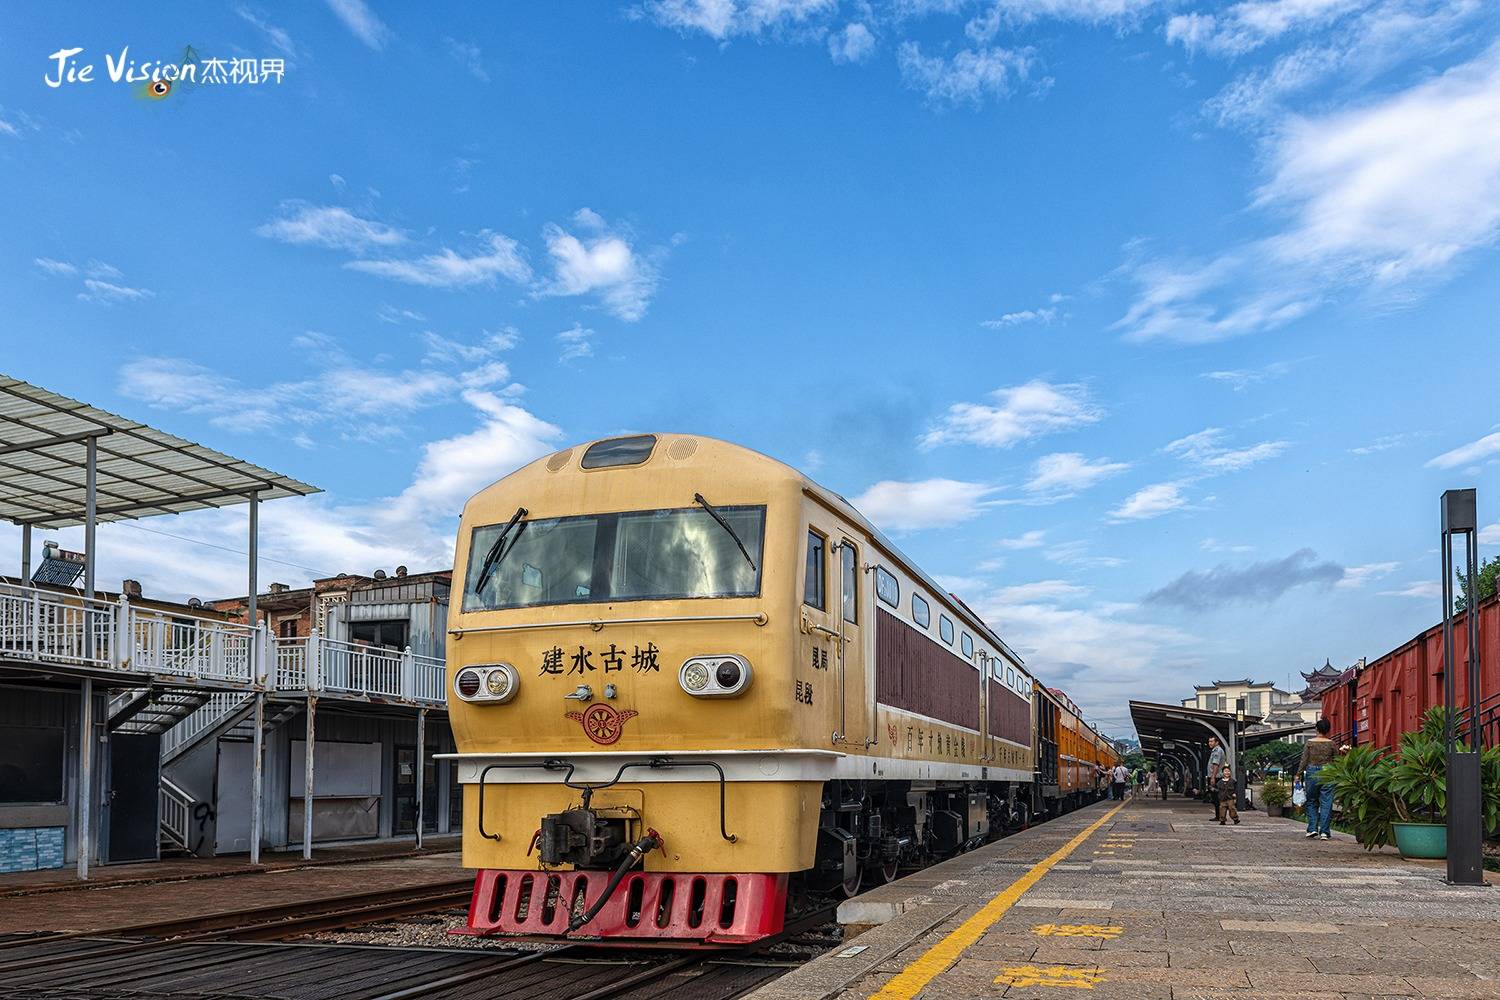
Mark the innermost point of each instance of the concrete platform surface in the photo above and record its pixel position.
(1156, 901)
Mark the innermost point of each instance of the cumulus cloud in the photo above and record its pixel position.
(601, 263)
(1067, 473)
(1257, 583)
(853, 44)
(495, 256)
(723, 19)
(969, 76)
(1149, 502)
(928, 503)
(1043, 316)
(1474, 451)
(304, 224)
(1018, 413)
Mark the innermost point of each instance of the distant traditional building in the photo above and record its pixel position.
(1260, 699)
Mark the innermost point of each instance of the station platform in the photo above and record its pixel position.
(1154, 900)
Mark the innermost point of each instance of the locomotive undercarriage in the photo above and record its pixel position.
(868, 831)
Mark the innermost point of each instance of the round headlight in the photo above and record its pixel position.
(728, 674)
(695, 677)
(468, 683)
(497, 683)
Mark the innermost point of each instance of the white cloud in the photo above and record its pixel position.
(1044, 316)
(59, 267)
(330, 226)
(960, 585)
(361, 22)
(577, 342)
(853, 44)
(1077, 553)
(1042, 590)
(723, 19)
(1250, 24)
(469, 56)
(1357, 576)
(1240, 379)
(1200, 303)
(1474, 451)
(604, 264)
(1151, 501)
(1019, 413)
(969, 76)
(1206, 450)
(108, 292)
(495, 256)
(1427, 590)
(278, 36)
(1086, 11)
(1383, 443)
(1069, 472)
(1214, 545)
(1490, 534)
(1033, 539)
(442, 349)
(929, 503)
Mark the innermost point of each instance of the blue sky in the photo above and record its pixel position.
(1155, 327)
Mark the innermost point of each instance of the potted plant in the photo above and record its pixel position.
(1274, 795)
(1360, 779)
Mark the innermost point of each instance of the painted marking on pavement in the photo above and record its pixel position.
(910, 981)
(1049, 975)
(1077, 930)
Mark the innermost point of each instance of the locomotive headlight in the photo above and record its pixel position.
(720, 676)
(488, 683)
(695, 676)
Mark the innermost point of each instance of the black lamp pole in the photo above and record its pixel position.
(1465, 808)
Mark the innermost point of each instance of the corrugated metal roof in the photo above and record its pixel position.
(141, 471)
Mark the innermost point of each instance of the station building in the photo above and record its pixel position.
(132, 725)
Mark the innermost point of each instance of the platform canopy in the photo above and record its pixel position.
(141, 471)
(1156, 723)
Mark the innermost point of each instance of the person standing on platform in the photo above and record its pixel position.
(1316, 754)
(1216, 761)
(1121, 778)
(1225, 791)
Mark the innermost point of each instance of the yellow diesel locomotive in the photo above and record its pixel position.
(686, 681)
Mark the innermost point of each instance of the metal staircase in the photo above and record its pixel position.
(152, 710)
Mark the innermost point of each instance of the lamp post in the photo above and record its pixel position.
(1465, 811)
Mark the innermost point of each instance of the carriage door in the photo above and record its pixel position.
(853, 690)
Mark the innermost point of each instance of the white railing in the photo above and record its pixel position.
(56, 627)
(52, 627)
(205, 716)
(176, 811)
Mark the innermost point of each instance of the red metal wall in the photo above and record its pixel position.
(1390, 694)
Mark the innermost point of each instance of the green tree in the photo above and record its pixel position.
(1489, 570)
(1276, 754)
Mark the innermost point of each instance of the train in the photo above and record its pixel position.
(690, 689)
(1373, 702)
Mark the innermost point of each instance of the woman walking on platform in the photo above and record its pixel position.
(1317, 753)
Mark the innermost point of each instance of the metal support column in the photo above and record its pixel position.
(250, 610)
(25, 555)
(90, 519)
(85, 770)
(1465, 803)
(307, 777)
(256, 767)
(421, 769)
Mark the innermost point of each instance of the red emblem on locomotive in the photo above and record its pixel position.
(603, 724)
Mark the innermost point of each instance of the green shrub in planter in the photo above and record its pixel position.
(1274, 795)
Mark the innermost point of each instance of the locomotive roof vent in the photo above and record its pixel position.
(682, 449)
(619, 451)
(559, 460)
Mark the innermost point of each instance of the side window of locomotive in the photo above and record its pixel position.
(920, 612)
(945, 628)
(887, 587)
(967, 645)
(849, 572)
(1010, 677)
(812, 587)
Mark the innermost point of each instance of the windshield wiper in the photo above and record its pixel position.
(713, 513)
(495, 554)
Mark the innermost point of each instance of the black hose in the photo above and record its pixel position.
(641, 847)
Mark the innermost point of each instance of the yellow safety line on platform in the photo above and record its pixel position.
(936, 960)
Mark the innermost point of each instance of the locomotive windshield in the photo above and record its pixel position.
(634, 556)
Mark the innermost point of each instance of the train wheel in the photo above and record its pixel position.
(850, 886)
(880, 874)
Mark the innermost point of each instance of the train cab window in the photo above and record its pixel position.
(1010, 677)
(920, 612)
(887, 587)
(849, 573)
(967, 645)
(812, 587)
(945, 628)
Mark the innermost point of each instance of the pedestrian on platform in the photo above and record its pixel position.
(1225, 791)
(1151, 784)
(1317, 753)
(1216, 761)
(1121, 778)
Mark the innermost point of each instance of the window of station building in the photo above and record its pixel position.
(849, 574)
(945, 628)
(812, 585)
(391, 634)
(287, 628)
(887, 587)
(31, 764)
(967, 645)
(920, 612)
